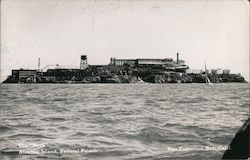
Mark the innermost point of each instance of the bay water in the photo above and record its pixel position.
(120, 121)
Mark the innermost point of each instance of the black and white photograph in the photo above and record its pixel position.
(124, 80)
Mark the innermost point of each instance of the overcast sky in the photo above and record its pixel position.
(59, 31)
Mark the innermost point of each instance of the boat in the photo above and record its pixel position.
(208, 82)
(140, 80)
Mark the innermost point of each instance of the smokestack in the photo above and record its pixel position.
(177, 58)
(84, 63)
(38, 64)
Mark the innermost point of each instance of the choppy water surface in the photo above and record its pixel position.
(119, 121)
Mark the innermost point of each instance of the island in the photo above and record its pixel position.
(141, 70)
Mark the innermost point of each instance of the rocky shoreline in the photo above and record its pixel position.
(166, 77)
(171, 77)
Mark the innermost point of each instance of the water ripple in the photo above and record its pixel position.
(120, 121)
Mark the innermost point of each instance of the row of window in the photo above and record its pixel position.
(141, 61)
(67, 73)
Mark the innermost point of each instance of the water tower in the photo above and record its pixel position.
(84, 63)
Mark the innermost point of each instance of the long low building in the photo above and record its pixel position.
(121, 62)
(167, 63)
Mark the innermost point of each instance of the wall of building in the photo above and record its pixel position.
(26, 73)
(209, 71)
(219, 71)
(226, 71)
(151, 61)
(194, 71)
(23, 75)
(121, 62)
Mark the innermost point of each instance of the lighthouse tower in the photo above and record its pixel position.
(84, 63)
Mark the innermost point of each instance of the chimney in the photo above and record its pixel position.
(38, 64)
(177, 58)
(84, 63)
